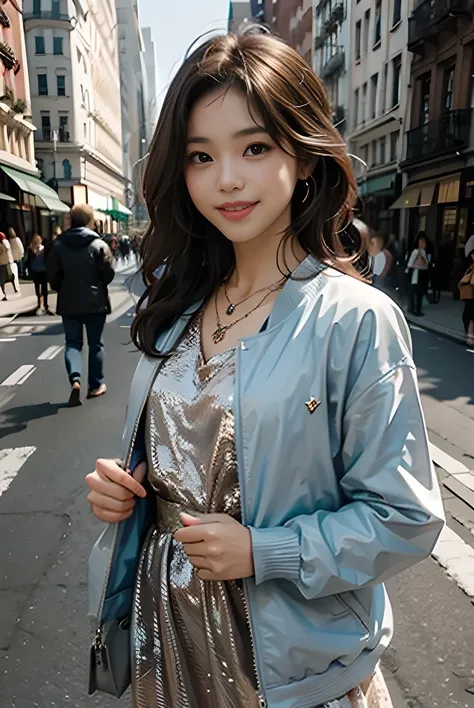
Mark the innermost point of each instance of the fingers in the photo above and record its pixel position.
(108, 469)
(188, 520)
(110, 504)
(139, 473)
(110, 517)
(108, 488)
(191, 534)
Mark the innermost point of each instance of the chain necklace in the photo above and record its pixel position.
(221, 330)
(233, 305)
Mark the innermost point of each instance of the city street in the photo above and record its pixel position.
(46, 529)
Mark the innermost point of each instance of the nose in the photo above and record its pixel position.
(229, 178)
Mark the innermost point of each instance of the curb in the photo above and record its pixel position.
(9, 319)
(435, 328)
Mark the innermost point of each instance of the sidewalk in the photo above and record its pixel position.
(443, 318)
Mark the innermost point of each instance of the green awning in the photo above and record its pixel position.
(376, 185)
(45, 196)
(116, 210)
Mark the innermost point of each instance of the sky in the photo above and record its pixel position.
(175, 24)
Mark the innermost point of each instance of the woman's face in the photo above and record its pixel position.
(422, 244)
(375, 246)
(237, 177)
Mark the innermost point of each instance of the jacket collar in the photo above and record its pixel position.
(303, 284)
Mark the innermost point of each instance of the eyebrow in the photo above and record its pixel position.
(253, 130)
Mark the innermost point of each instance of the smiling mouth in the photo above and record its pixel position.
(238, 208)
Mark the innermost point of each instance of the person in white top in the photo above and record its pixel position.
(6, 262)
(18, 252)
(418, 264)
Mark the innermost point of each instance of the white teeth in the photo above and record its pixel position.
(240, 208)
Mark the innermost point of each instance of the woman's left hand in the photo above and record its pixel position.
(217, 545)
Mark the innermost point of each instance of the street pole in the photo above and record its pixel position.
(55, 147)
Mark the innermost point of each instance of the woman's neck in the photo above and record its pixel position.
(258, 266)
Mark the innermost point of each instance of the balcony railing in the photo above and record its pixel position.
(334, 65)
(47, 136)
(451, 132)
(46, 15)
(430, 17)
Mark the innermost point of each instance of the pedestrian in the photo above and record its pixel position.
(275, 413)
(18, 252)
(37, 271)
(80, 267)
(466, 291)
(418, 268)
(124, 248)
(6, 265)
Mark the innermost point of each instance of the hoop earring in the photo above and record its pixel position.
(308, 188)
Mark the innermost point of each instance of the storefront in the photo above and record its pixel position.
(377, 195)
(442, 208)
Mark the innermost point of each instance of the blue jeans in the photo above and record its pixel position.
(73, 329)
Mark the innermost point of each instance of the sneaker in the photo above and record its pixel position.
(75, 397)
(97, 392)
(40, 311)
(4, 299)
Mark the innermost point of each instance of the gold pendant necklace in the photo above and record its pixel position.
(221, 330)
(233, 305)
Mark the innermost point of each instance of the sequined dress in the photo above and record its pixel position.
(192, 644)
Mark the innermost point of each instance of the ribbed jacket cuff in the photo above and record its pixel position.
(276, 554)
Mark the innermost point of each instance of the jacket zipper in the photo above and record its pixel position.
(114, 541)
(262, 701)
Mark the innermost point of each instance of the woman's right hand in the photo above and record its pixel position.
(113, 490)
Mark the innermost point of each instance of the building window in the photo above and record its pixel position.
(393, 146)
(378, 22)
(42, 84)
(373, 160)
(58, 45)
(397, 12)
(363, 106)
(448, 89)
(366, 31)
(61, 82)
(382, 151)
(397, 75)
(63, 129)
(56, 8)
(67, 169)
(45, 126)
(37, 7)
(39, 45)
(425, 88)
(365, 154)
(356, 108)
(85, 130)
(358, 39)
(373, 95)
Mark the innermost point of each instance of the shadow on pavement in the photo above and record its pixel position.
(14, 420)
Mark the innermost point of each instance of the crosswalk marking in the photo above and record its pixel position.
(19, 376)
(7, 339)
(50, 352)
(457, 558)
(11, 461)
(448, 463)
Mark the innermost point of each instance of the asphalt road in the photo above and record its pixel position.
(46, 530)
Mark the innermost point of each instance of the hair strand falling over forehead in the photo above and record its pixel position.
(292, 104)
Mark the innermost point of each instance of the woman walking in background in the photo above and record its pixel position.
(418, 268)
(466, 291)
(6, 265)
(18, 252)
(275, 412)
(37, 270)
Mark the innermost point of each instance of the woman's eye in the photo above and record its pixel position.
(200, 158)
(256, 149)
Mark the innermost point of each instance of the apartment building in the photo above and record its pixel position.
(74, 74)
(379, 71)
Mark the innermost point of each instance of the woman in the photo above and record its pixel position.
(17, 255)
(275, 414)
(381, 261)
(6, 265)
(466, 290)
(418, 268)
(37, 270)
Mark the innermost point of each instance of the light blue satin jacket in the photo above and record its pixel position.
(337, 484)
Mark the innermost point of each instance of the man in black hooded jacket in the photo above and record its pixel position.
(79, 268)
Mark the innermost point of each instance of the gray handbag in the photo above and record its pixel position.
(110, 659)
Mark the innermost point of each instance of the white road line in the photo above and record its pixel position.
(448, 463)
(50, 352)
(11, 461)
(19, 376)
(457, 558)
(7, 339)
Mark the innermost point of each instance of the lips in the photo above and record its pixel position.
(235, 211)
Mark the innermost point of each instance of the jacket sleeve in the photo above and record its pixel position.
(54, 270)
(105, 263)
(392, 513)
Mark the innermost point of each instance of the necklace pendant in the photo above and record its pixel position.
(230, 310)
(218, 335)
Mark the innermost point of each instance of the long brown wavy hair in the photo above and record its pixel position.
(193, 256)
